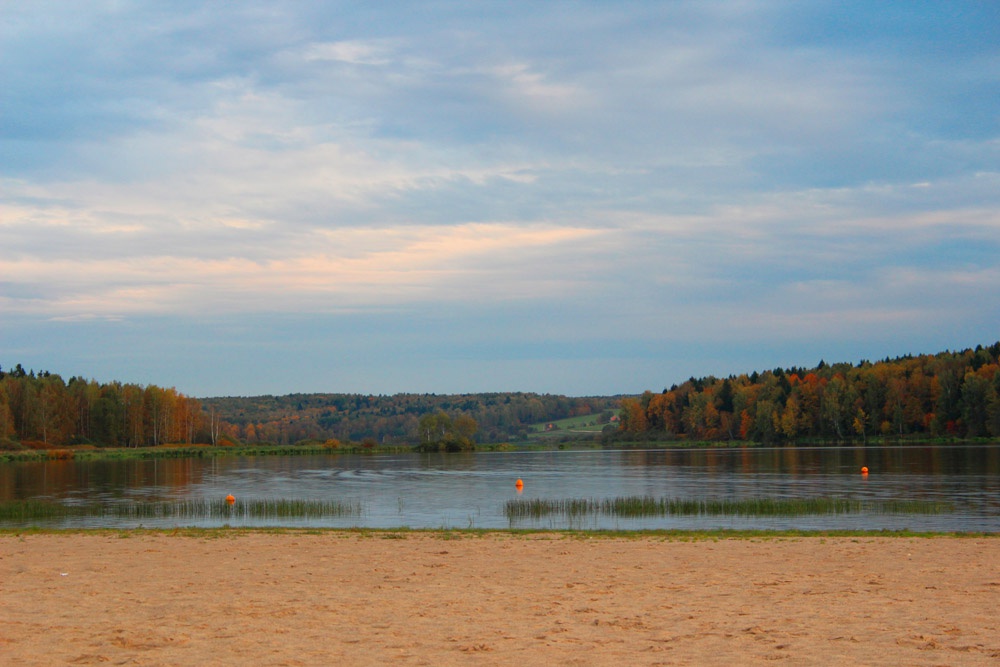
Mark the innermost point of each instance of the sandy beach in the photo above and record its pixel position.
(343, 598)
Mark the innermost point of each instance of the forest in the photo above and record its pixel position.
(396, 419)
(946, 395)
(41, 410)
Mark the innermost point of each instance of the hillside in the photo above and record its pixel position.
(395, 420)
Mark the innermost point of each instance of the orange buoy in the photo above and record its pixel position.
(231, 499)
(864, 470)
(519, 484)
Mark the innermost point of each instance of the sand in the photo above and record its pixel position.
(344, 598)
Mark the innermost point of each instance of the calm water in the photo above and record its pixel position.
(469, 490)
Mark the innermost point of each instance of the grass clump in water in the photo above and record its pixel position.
(22, 511)
(633, 507)
(33, 510)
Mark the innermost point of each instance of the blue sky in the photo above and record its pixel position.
(578, 198)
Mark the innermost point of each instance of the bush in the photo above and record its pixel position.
(8, 445)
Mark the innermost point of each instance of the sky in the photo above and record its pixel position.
(582, 198)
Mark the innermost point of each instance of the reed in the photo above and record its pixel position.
(21, 511)
(649, 506)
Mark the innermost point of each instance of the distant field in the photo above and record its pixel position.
(582, 424)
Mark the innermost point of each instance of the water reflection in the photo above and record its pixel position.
(70, 479)
(469, 489)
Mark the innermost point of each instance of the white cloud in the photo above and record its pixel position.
(345, 268)
(354, 52)
(527, 86)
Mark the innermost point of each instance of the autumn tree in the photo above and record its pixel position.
(41, 407)
(633, 417)
(7, 431)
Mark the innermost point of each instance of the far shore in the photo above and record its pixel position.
(91, 452)
(306, 597)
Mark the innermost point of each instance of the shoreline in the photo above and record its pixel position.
(317, 597)
(666, 534)
(179, 451)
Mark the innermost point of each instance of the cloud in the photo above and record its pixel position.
(354, 52)
(527, 87)
(631, 177)
(344, 269)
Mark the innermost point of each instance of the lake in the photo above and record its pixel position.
(469, 490)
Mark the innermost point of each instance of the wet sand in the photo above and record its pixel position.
(147, 598)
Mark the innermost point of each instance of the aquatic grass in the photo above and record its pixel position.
(631, 507)
(21, 511)
(255, 508)
(33, 510)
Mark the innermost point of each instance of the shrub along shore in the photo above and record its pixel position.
(90, 453)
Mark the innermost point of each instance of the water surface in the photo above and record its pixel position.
(470, 489)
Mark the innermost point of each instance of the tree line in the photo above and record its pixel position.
(398, 419)
(951, 394)
(41, 409)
